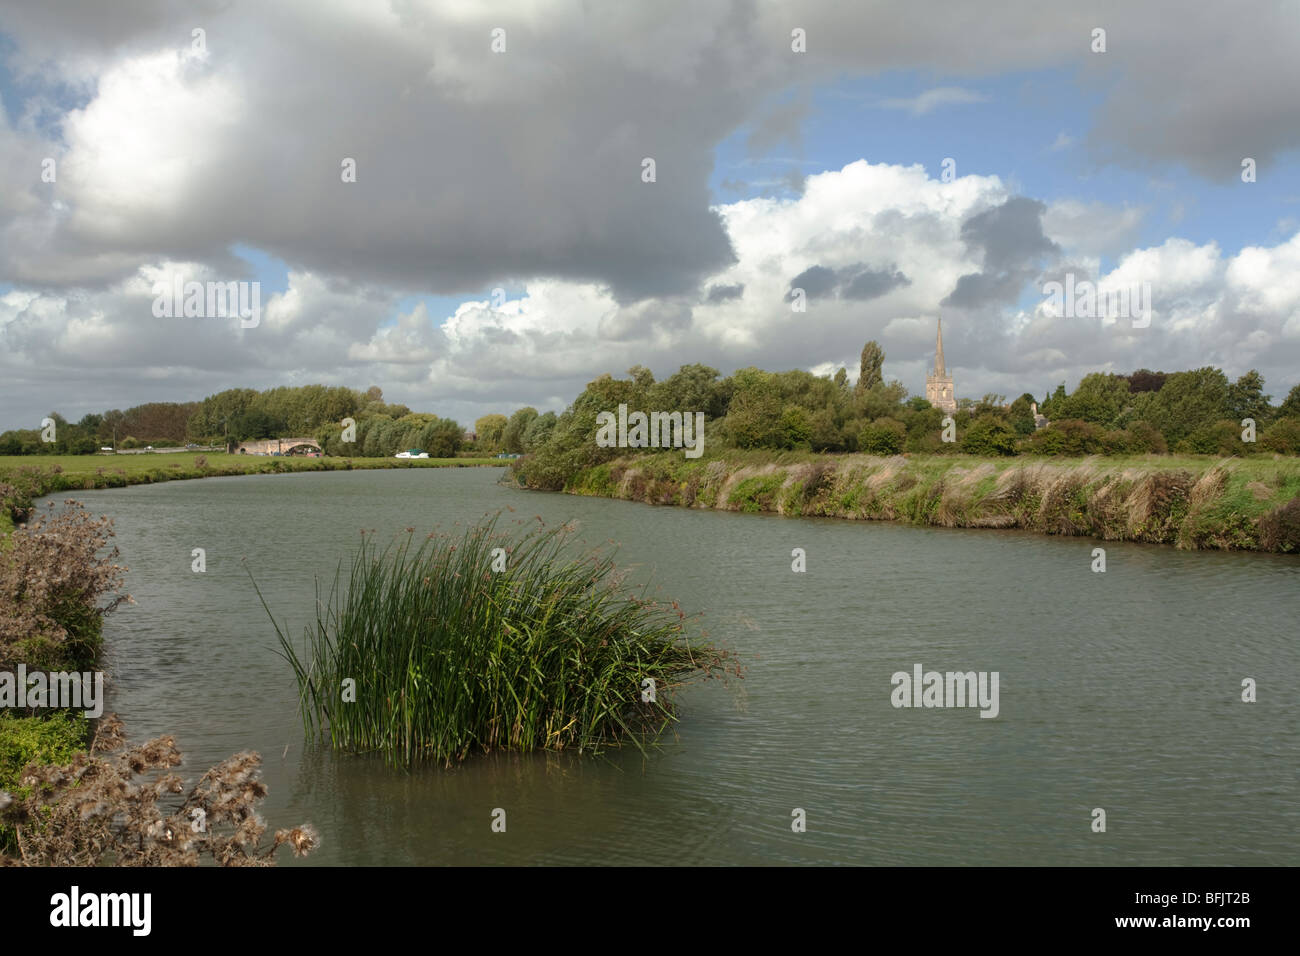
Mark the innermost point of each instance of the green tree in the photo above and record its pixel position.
(1188, 401)
(441, 437)
(1099, 399)
(1021, 415)
(692, 388)
(1246, 399)
(754, 414)
(512, 436)
(539, 431)
(489, 429)
(1051, 404)
(869, 369)
(1290, 407)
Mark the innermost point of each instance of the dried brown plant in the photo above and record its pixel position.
(53, 579)
(119, 806)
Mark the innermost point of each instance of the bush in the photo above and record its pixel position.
(1069, 436)
(884, 436)
(989, 435)
(1142, 438)
(1219, 438)
(1282, 437)
(1279, 530)
(52, 579)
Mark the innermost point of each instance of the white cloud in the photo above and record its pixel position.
(934, 98)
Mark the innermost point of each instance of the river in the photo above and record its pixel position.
(1118, 690)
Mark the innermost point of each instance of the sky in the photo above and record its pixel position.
(501, 244)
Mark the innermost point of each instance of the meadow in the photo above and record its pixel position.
(24, 477)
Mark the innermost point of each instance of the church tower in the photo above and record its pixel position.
(938, 383)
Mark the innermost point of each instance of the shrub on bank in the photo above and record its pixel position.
(53, 580)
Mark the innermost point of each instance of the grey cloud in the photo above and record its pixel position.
(854, 282)
(816, 281)
(871, 284)
(724, 293)
(1011, 242)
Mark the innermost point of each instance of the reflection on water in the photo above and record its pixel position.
(1118, 690)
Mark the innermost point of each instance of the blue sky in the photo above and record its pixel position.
(1013, 134)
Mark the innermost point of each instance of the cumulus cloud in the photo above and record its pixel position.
(477, 168)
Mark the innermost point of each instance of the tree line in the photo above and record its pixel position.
(1199, 411)
(245, 414)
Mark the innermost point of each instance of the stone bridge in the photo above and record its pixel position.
(271, 446)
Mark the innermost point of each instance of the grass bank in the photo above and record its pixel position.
(489, 641)
(26, 477)
(1187, 501)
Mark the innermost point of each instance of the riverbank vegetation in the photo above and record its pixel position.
(1199, 412)
(1187, 501)
(1186, 458)
(489, 641)
(58, 580)
(67, 798)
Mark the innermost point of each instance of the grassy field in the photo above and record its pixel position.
(24, 477)
(1188, 501)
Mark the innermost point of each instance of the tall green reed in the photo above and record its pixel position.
(448, 656)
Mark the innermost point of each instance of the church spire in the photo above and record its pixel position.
(939, 370)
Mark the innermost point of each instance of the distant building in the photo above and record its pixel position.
(1040, 420)
(938, 383)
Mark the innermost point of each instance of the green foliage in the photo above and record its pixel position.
(796, 427)
(1067, 437)
(1099, 399)
(1246, 399)
(757, 493)
(512, 435)
(754, 414)
(52, 738)
(49, 740)
(885, 436)
(1290, 407)
(1020, 416)
(989, 435)
(869, 368)
(1188, 401)
(539, 431)
(489, 430)
(1283, 436)
(450, 657)
(1218, 438)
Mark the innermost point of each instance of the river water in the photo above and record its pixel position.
(1118, 690)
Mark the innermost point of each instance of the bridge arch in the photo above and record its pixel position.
(274, 446)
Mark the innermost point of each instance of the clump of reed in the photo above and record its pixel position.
(447, 647)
